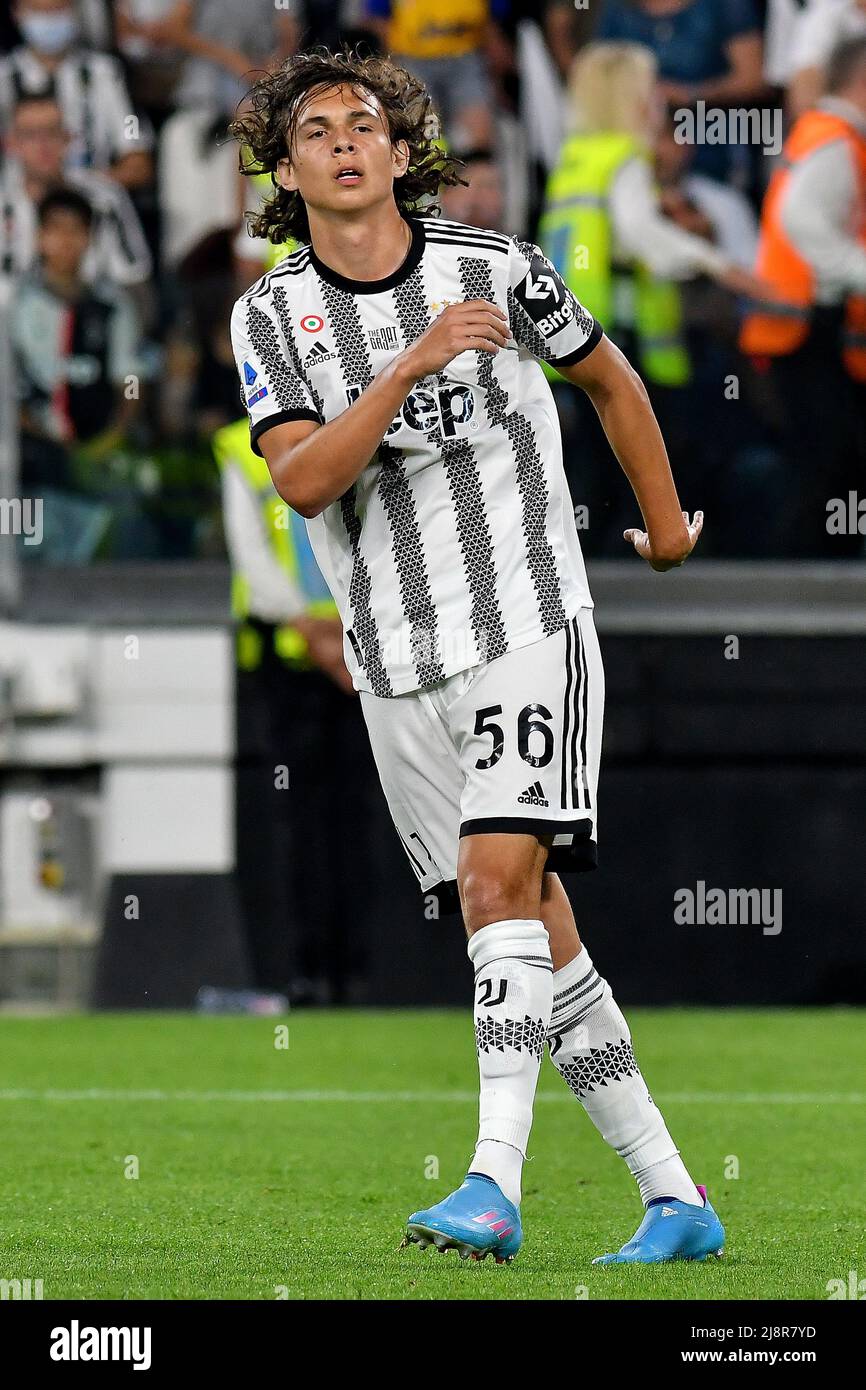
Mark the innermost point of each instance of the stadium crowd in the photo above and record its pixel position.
(607, 131)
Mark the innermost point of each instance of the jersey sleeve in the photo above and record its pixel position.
(546, 319)
(272, 393)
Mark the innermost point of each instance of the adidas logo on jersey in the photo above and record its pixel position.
(318, 353)
(533, 796)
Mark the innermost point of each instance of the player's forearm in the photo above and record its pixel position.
(633, 433)
(321, 467)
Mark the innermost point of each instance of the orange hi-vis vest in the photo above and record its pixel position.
(775, 329)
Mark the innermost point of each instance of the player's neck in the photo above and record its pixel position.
(371, 246)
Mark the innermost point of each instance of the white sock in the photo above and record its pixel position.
(513, 999)
(590, 1045)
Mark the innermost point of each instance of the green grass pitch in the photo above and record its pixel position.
(268, 1172)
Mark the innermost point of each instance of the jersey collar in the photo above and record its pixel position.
(342, 282)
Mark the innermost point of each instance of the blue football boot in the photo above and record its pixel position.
(672, 1230)
(477, 1220)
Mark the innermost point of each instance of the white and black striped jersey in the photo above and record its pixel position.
(457, 543)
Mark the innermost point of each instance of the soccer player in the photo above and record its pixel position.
(390, 371)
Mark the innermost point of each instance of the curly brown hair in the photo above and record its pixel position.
(267, 128)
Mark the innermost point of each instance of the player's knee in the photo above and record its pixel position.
(492, 895)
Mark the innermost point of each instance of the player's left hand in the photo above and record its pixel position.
(667, 559)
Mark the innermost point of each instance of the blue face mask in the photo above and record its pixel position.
(48, 33)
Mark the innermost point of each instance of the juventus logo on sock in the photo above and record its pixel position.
(486, 996)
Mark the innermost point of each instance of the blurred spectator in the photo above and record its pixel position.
(277, 580)
(198, 181)
(203, 394)
(822, 26)
(76, 347)
(95, 25)
(541, 96)
(668, 240)
(443, 43)
(812, 335)
(707, 50)
(254, 255)
(36, 146)
(295, 853)
(89, 87)
(709, 208)
(223, 40)
(482, 203)
(603, 219)
(566, 29)
(782, 19)
(9, 35)
(154, 68)
(605, 231)
(332, 22)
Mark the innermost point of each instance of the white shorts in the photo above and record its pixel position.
(508, 747)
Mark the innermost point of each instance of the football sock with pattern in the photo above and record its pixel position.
(513, 999)
(590, 1045)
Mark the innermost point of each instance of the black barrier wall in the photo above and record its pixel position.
(732, 807)
(737, 773)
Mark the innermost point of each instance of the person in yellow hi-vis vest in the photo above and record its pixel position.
(298, 726)
(603, 227)
(604, 231)
(278, 594)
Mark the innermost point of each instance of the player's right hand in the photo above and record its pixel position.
(475, 325)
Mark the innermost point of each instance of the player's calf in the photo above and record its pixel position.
(513, 997)
(591, 1047)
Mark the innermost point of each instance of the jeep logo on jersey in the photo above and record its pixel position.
(542, 294)
(428, 410)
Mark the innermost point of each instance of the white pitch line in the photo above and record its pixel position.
(422, 1097)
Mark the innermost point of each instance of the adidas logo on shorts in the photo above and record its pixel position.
(533, 796)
